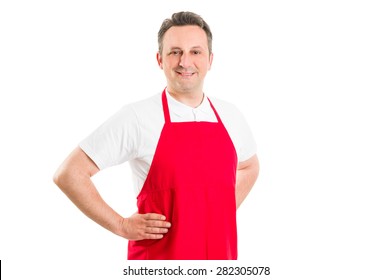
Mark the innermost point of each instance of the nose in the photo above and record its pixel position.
(184, 60)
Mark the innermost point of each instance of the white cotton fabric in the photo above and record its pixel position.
(133, 132)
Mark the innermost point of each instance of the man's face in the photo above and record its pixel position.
(185, 58)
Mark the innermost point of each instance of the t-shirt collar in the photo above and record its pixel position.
(182, 109)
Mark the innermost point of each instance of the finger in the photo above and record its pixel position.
(158, 224)
(152, 236)
(154, 216)
(156, 230)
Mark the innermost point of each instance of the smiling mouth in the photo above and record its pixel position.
(185, 74)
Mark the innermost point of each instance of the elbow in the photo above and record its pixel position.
(254, 167)
(58, 177)
(61, 177)
(257, 168)
(75, 169)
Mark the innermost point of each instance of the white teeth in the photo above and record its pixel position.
(185, 74)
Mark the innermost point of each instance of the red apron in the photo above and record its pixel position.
(192, 182)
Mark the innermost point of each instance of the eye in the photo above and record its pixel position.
(175, 52)
(196, 52)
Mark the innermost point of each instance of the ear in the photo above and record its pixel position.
(211, 59)
(159, 60)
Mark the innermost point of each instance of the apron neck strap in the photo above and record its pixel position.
(215, 112)
(165, 107)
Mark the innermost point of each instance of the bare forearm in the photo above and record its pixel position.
(73, 177)
(83, 193)
(247, 174)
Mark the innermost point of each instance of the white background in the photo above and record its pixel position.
(313, 78)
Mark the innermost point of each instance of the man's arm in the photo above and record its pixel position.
(73, 177)
(247, 173)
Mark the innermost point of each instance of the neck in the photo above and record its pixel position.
(193, 99)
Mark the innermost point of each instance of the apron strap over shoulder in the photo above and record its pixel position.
(165, 107)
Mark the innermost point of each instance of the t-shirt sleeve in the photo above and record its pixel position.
(244, 140)
(115, 141)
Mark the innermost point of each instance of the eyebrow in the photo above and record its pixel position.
(194, 47)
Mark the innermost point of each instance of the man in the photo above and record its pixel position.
(191, 173)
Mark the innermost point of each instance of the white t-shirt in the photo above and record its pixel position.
(132, 133)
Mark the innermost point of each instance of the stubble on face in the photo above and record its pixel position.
(185, 59)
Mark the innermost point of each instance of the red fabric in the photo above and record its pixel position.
(192, 182)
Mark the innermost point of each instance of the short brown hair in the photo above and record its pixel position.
(182, 19)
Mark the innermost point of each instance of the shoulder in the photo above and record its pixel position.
(217, 102)
(228, 111)
(143, 117)
(237, 127)
(144, 106)
(141, 110)
(129, 117)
